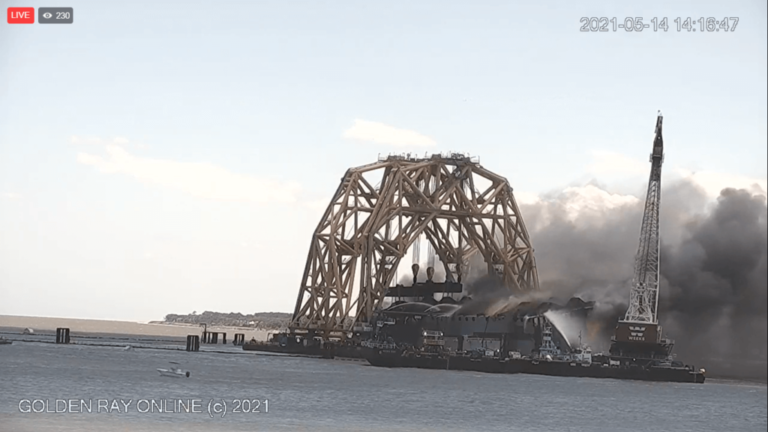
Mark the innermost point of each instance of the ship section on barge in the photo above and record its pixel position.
(547, 360)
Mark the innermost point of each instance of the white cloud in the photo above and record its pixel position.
(11, 195)
(585, 204)
(202, 180)
(381, 133)
(605, 162)
(714, 182)
(526, 198)
(582, 205)
(591, 199)
(614, 166)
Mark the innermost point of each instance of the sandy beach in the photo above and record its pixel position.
(47, 324)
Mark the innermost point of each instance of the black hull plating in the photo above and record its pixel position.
(355, 352)
(382, 358)
(283, 349)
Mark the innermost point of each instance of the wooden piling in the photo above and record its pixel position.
(193, 343)
(239, 339)
(62, 335)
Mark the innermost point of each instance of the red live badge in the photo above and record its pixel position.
(21, 15)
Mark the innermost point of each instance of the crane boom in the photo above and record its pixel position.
(644, 293)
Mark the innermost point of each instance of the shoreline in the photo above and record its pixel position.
(76, 325)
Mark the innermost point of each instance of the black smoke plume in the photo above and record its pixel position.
(713, 268)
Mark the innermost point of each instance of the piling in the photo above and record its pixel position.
(213, 337)
(239, 339)
(62, 335)
(193, 343)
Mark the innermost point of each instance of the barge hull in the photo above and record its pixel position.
(391, 359)
(327, 351)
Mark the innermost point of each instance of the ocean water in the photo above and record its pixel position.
(304, 394)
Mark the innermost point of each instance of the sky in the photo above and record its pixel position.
(165, 157)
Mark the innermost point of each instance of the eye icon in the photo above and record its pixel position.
(47, 15)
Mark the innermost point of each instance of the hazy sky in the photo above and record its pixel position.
(163, 157)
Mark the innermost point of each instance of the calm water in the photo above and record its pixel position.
(333, 395)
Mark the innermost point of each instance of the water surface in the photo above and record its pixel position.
(335, 395)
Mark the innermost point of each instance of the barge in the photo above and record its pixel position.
(548, 360)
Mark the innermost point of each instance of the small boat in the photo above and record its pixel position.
(173, 371)
(4, 341)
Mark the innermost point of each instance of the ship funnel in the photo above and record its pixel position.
(415, 269)
(430, 273)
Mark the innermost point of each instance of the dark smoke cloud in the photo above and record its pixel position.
(485, 291)
(713, 266)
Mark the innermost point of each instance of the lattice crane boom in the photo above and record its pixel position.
(644, 293)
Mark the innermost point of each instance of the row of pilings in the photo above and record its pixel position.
(193, 341)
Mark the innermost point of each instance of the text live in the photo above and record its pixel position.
(21, 15)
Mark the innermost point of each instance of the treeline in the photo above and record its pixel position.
(261, 320)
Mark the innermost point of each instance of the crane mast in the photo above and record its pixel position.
(644, 293)
(638, 334)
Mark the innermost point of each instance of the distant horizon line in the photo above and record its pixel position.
(118, 320)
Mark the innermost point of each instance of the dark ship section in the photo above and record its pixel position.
(420, 331)
(640, 340)
(425, 309)
(522, 340)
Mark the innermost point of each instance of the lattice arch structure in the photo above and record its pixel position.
(457, 205)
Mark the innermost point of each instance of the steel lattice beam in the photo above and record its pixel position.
(459, 206)
(644, 294)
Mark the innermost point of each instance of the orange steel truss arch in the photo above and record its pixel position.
(460, 207)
